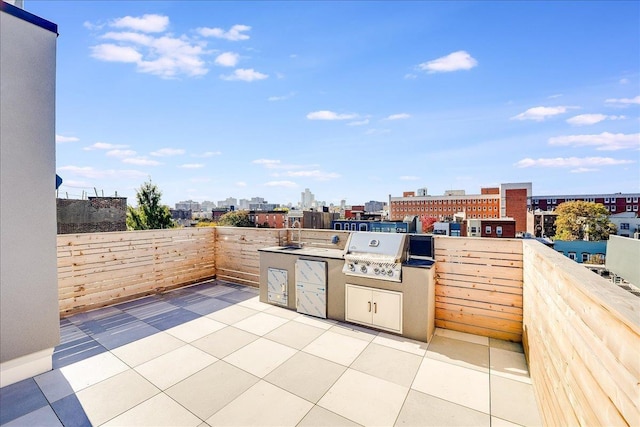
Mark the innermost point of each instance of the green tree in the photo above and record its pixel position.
(236, 219)
(150, 213)
(578, 219)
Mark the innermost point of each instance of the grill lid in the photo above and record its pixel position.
(377, 245)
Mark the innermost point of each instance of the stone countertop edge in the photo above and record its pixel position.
(306, 251)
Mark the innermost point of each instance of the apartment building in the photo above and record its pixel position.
(614, 202)
(509, 200)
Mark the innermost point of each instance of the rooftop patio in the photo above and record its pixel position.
(524, 336)
(212, 354)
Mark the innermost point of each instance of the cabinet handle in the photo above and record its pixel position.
(369, 306)
(375, 307)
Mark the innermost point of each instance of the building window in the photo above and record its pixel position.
(572, 255)
(554, 201)
(635, 200)
(548, 201)
(613, 200)
(487, 229)
(624, 226)
(499, 230)
(635, 208)
(613, 208)
(585, 257)
(606, 200)
(628, 208)
(628, 199)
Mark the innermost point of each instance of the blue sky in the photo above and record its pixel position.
(353, 100)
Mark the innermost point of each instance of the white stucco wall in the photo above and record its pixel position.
(29, 316)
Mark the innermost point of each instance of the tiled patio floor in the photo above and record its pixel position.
(212, 354)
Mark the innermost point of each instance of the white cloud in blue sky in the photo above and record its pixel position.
(296, 96)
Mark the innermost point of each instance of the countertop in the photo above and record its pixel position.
(306, 251)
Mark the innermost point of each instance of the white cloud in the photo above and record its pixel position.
(60, 139)
(208, 154)
(455, 61)
(409, 178)
(167, 152)
(410, 76)
(121, 153)
(624, 81)
(317, 174)
(591, 119)
(141, 161)
(227, 59)
(603, 142)
(400, 116)
(623, 101)
(574, 162)
(268, 163)
(114, 53)
(241, 184)
(359, 123)
(285, 184)
(104, 146)
(557, 95)
(538, 114)
(192, 166)
(330, 115)
(127, 36)
(89, 172)
(245, 75)
(281, 98)
(235, 33)
(146, 23)
(583, 170)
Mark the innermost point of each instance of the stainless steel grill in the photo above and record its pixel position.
(375, 255)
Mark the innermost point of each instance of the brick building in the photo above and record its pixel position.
(508, 200)
(268, 219)
(614, 202)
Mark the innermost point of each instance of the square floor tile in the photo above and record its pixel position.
(306, 376)
(212, 289)
(260, 357)
(209, 390)
(401, 343)
(462, 336)
(208, 306)
(260, 323)
(336, 347)
(171, 368)
(97, 314)
(70, 412)
(320, 417)
(295, 334)
(237, 296)
(315, 321)
(506, 345)
(424, 410)
(171, 318)
(54, 385)
(499, 422)
(147, 307)
(124, 334)
(93, 370)
(70, 332)
(262, 405)
(462, 353)
(282, 312)
(158, 411)
(514, 401)
(19, 399)
(115, 395)
(115, 320)
(354, 331)
(464, 386)
(225, 341)
(148, 348)
(388, 364)
(509, 364)
(255, 304)
(75, 351)
(44, 416)
(365, 399)
(195, 329)
(232, 314)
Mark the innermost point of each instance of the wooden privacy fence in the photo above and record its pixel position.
(98, 269)
(582, 341)
(479, 286)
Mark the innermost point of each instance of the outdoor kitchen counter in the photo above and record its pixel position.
(417, 287)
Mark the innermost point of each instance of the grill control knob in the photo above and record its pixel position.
(363, 268)
(376, 270)
(352, 267)
(390, 272)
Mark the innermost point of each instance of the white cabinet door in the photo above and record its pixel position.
(358, 304)
(387, 310)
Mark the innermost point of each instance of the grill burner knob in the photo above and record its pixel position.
(390, 272)
(363, 268)
(352, 267)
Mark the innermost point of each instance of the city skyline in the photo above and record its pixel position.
(354, 100)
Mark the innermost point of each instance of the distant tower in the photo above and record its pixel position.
(307, 199)
(422, 192)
